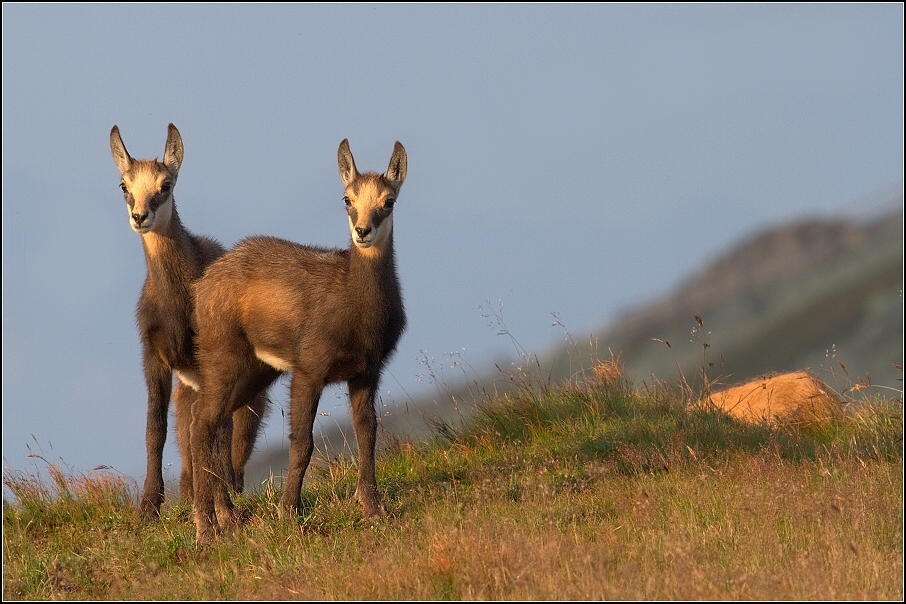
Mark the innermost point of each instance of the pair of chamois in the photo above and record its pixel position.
(228, 323)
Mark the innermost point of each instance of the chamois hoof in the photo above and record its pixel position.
(148, 511)
(372, 506)
(206, 529)
(228, 521)
(205, 535)
(287, 512)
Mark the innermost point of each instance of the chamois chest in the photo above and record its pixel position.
(165, 309)
(165, 325)
(366, 339)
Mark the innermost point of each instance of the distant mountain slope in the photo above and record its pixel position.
(814, 293)
(810, 294)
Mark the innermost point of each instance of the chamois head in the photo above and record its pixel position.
(369, 198)
(147, 184)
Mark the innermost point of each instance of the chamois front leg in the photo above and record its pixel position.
(361, 395)
(304, 397)
(159, 379)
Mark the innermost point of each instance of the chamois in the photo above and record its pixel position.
(175, 259)
(270, 306)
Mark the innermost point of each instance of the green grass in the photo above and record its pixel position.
(573, 492)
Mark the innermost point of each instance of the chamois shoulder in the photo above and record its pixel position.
(207, 248)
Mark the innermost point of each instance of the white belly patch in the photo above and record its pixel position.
(189, 378)
(273, 360)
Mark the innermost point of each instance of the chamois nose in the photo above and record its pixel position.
(363, 231)
(139, 219)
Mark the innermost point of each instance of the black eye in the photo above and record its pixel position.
(123, 188)
(388, 205)
(166, 188)
(347, 201)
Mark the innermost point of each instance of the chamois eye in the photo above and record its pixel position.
(388, 205)
(347, 201)
(123, 188)
(166, 188)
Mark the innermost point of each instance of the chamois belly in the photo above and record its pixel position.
(339, 364)
(189, 377)
(275, 361)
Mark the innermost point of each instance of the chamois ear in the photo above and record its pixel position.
(121, 157)
(348, 172)
(173, 150)
(396, 171)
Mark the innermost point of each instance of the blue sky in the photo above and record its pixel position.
(569, 159)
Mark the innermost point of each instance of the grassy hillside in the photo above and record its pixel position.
(596, 490)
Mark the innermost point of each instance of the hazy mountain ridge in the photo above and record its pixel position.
(811, 293)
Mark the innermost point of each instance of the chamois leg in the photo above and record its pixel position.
(205, 421)
(228, 382)
(224, 477)
(361, 396)
(208, 417)
(250, 384)
(246, 423)
(304, 397)
(211, 502)
(159, 379)
(183, 399)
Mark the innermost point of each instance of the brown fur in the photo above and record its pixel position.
(326, 315)
(175, 259)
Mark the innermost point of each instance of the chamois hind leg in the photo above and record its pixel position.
(224, 477)
(228, 381)
(361, 396)
(250, 385)
(183, 399)
(246, 424)
(205, 421)
(304, 397)
(159, 379)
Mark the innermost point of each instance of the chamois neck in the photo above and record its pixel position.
(171, 239)
(173, 258)
(377, 258)
(372, 272)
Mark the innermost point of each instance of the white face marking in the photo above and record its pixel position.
(144, 184)
(154, 222)
(273, 360)
(189, 378)
(370, 200)
(377, 235)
